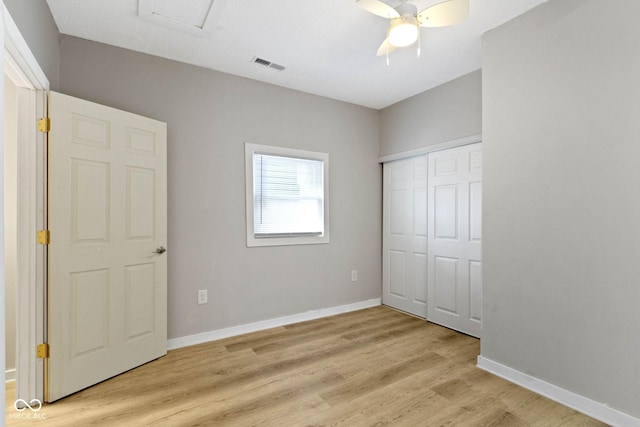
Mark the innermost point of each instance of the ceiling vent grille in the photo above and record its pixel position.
(267, 63)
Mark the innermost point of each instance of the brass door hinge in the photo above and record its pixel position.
(44, 238)
(44, 124)
(42, 351)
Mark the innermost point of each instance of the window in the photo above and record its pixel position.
(287, 196)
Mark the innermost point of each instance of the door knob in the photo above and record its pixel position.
(160, 250)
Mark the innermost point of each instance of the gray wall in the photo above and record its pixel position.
(210, 116)
(36, 25)
(562, 198)
(445, 113)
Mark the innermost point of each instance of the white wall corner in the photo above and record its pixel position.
(599, 411)
(186, 341)
(19, 57)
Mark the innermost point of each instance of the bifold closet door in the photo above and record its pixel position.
(455, 238)
(404, 282)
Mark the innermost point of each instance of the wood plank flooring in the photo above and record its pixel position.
(372, 367)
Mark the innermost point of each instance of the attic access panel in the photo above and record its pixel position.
(192, 15)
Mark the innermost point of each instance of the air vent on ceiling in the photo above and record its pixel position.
(267, 63)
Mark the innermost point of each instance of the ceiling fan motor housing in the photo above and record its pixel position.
(407, 9)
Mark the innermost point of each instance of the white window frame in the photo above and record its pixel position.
(252, 241)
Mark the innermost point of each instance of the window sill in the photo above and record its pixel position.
(286, 241)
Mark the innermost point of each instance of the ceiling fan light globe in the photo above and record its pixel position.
(403, 31)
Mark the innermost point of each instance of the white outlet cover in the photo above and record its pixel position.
(202, 296)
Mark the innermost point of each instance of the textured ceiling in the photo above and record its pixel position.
(327, 46)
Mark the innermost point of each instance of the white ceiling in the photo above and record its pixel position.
(327, 46)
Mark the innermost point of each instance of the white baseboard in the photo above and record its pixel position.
(596, 410)
(9, 375)
(217, 334)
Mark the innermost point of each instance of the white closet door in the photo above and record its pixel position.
(404, 282)
(455, 238)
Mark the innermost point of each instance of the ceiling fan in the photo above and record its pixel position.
(404, 28)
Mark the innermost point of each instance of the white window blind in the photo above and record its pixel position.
(288, 196)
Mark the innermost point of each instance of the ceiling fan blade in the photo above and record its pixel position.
(446, 13)
(385, 48)
(378, 8)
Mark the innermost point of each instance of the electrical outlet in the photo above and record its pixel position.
(202, 296)
(354, 275)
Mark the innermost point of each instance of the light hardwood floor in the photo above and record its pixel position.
(372, 367)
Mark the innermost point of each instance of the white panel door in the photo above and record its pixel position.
(404, 282)
(455, 238)
(107, 290)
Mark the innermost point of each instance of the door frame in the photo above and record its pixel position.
(467, 140)
(23, 69)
